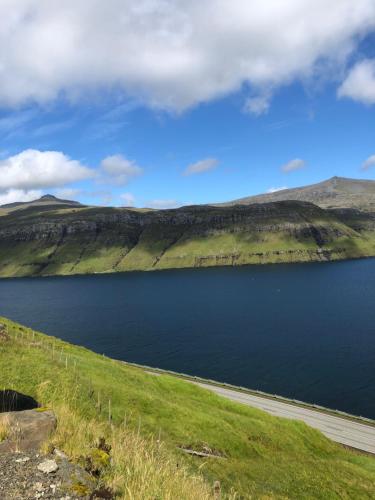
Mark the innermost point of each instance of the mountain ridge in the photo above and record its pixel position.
(48, 238)
(45, 200)
(40, 242)
(336, 192)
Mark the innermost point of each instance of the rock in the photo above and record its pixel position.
(48, 466)
(28, 430)
(38, 486)
(24, 481)
(60, 454)
(22, 460)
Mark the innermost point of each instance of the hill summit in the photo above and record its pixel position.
(336, 192)
(45, 200)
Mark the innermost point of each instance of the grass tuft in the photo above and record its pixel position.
(4, 429)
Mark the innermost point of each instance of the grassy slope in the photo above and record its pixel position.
(283, 236)
(267, 457)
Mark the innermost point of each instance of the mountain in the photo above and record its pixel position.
(42, 240)
(48, 200)
(337, 192)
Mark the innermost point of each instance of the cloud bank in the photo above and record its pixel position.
(26, 175)
(14, 195)
(276, 189)
(127, 199)
(259, 104)
(162, 204)
(292, 165)
(369, 163)
(119, 170)
(360, 83)
(172, 54)
(33, 169)
(201, 166)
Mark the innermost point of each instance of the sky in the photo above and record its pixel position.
(163, 103)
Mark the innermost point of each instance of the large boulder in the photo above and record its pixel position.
(27, 430)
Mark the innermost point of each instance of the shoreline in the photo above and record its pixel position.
(187, 268)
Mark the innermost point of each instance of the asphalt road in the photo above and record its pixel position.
(348, 432)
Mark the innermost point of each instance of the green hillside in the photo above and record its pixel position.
(56, 239)
(259, 456)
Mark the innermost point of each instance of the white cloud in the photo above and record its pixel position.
(292, 165)
(67, 193)
(119, 170)
(127, 199)
(276, 189)
(104, 196)
(14, 195)
(201, 166)
(360, 83)
(33, 169)
(162, 204)
(370, 162)
(258, 105)
(171, 54)
(15, 121)
(51, 128)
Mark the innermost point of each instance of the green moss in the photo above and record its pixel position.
(100, 459)
(79, 489)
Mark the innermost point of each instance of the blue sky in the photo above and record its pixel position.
(186, 135)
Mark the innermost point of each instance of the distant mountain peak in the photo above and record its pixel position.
(48, 197)
(51, 199)
(336, 192)
(45, 200)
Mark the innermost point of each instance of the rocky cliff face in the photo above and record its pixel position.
(258, 217)
(68, 241)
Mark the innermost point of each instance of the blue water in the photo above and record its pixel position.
(306, 331)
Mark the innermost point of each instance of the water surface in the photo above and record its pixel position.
(305, 331)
